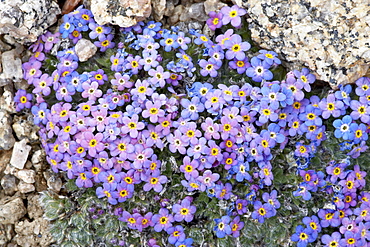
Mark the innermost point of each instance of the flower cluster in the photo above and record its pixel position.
(159, 93)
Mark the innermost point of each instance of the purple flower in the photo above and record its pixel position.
(177, 234)
(106, 191)
(305, 77)
(303, 191)
(155, 181)
(153, 111)
(133, 64)
(93, 143)
(176, 143)
(159, 76)
(208, 68)
(42, 84)
(91, 90)
(236, 48)
(124, 191)
(31, 70)
(261, 212)
(22, 99)
(360, 111)
(271, 198)
(211, 129)
(363, 86)
(331, 107)
(329, 218)
(163, 220)
(303, 236)
(269, 57)
(140, 156)
(259, 71)
(189, 168)
(332, 240)
(132, 125)
(240, 65)
(132, 220)
(351, 240)
(84, 180)
(142, 89)
(232, 15)
(184, 211)
(215, 20)
(98, 31)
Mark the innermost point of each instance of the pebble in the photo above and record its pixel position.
(11, 210)
(24, 187)
(20, 154)
(124, 13)
(7, 140)
(9, 184)
(12, 68)
(85, 49)
(28, 176)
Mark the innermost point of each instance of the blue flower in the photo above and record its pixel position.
(222, 227)
(343, 128)
(302, 236)
(259, 71)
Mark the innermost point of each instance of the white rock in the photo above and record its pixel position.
(124, 13)
(7, 99)
(25, 187)
(85, 49)
(6, 133)
(25, 20)
(12, 68)
(20, 154)
(330, 37)
(37, 157)
(159, 8)
(28, 176)
(213, 5)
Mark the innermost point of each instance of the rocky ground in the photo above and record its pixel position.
(24, 172)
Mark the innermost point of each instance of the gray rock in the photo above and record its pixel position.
(177, 13)
(25, 187)
(35, 233)
(34, 208)
(9, 184)
(159, 9)
(213, 5)
(7, 99)
(196, 12)
(28, 176)
(124, 13)
(20, 154)
(12, 68)
(6, 234)
(25, 129)
(11, 210)
(53, 181)
(330, 37)
(5, 156)
(85, 49)
(37, 157)
(25, 20)
(6, 133)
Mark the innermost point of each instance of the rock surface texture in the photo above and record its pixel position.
(330, 37)
(124, 13)
(26, 20)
